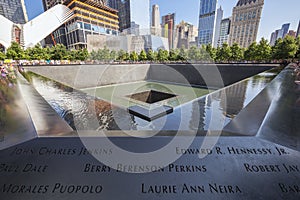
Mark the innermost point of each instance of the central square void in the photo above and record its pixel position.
(151, 96)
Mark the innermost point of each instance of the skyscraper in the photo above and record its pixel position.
(280, 33)
(298, 30)
(273, 37)
(283, 31)
(133, 14)
(15, 11)
(50, 3)
(207, 21)
(168, 28)
(155, 16)
(155, 25)
(217, 28)
(90, 17)
(246, 17)
(224, 31)
(185, 35)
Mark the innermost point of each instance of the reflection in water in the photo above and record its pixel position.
(84, 112)
(7, 95)
(235, 98)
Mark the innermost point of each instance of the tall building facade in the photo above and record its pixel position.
(246, 17)
(155, 16)
(155, 21)
(50, 3)
(283, 31)
(217, 28)
(207, 21)
(90, 17)
(168, 28)
(185, 35)
(133, 15)
(280, 33)
(15, 11)
(224, 31)
(273, 37)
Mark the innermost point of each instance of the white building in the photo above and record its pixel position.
(127, 43)
(34, 31)
(217, 28)
(155, 25)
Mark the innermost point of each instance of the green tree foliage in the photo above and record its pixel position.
(298, 45)
(251, 52)
(134, 56)
(82, 54)
(2, 55)
(151, 56)
(15, 52)
(36, 53)
(285, 49)
(59, 52)
(93, 55)
(162, 55)
(194, 54)
(264, 50)
(47, 53)
(174, 54)
(223, 53)
(142, 55)
(122, 55)
(211, 52)
(183, 54)
(103, 54)
(237, 52)
(113, 55)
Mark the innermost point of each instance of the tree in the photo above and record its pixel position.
(59, 52)
(134, 56)
(82, 54)
(223, 53)
(173, 54)
(285, 49)
(194, 54)
(47, 53)
(93, 55)
(236, 52)
(15, 52)
(264, 50)
(103, 54)
(36, 53)
(298, 45)
(151, 55)
(122, 55)
(276, 53)
(113, 55)
(251, 52)
(2, 55)
(143, 55)
(183, 56)
(162, 55)
(211, 51)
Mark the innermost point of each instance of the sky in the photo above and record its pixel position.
(274, 14)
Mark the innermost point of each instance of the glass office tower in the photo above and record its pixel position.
(207, 20)
(134, 15)
(15, 11)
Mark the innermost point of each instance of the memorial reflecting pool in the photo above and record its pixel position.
(107, 105)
